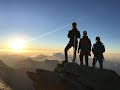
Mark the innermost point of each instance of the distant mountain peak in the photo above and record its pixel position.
(29, 59)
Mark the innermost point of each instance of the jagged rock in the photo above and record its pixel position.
(71, 76)
(45, 80)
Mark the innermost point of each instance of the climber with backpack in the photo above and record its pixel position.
(98, 49)
(84, 48)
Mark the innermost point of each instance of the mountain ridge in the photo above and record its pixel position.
(71, 76)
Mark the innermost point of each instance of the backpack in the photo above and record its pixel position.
(85, 45)
(98, 48)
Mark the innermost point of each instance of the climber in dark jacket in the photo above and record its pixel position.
(98, 49)
(73, 34)
(84, 48)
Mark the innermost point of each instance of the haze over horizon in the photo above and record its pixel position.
(44, 24)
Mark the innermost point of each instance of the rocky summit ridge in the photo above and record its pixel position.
(71, 76)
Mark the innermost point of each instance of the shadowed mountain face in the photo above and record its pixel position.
(4, 71)
(17, 78)
(4, 74)
(71, 76)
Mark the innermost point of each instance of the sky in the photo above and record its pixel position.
(44, 24)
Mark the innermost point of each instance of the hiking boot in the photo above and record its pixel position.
(65, 61)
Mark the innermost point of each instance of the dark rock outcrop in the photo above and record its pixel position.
(46, 80)
(71, 76)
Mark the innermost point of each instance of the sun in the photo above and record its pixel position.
(17, 44)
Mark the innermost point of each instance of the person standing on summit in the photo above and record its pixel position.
(84, 48)
(98, 49)
(73, 34)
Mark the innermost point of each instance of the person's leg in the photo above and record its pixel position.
(75, 49)
(100, 59)
(86, 59)
(94, 61)
(69, 45)
(101, 63)
(74, 57)
(81, 59)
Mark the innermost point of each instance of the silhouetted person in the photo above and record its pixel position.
(73, 35)
(98, 49)
(84, 48)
